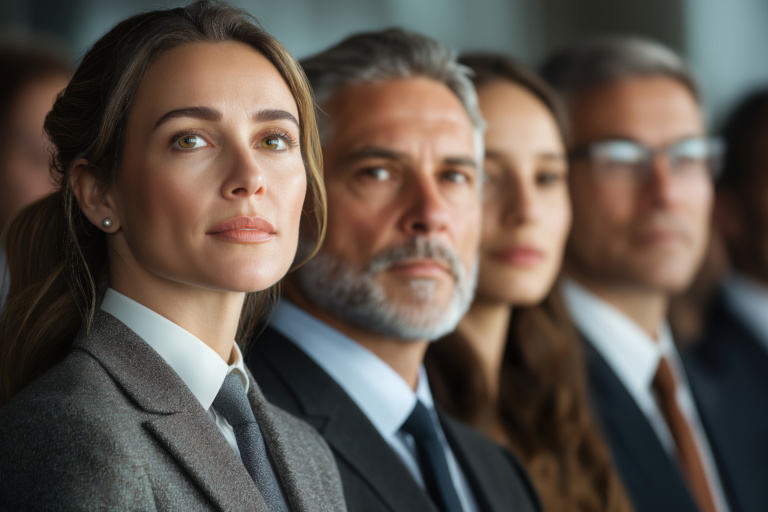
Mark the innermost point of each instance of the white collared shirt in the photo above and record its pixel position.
(748, 300)
(634, 357)
(380, 392)
(198, 365)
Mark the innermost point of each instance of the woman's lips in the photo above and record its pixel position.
(244, 230)
(519, 256)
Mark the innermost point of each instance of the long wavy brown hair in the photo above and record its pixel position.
(57, 260)
(541, 412)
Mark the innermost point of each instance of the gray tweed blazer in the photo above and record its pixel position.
(113, 427)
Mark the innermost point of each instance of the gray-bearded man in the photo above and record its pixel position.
(402, 145)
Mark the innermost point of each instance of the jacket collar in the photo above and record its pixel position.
(353, 438)
(176, 418)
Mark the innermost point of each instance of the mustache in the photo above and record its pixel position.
(415, 249)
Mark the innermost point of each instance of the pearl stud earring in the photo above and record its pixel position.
(107, 223)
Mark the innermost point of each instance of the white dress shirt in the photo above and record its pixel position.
(634, 357)
(198, 365)
(748, 300)
(380, 392)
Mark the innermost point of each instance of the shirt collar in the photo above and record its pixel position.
(198, 365)
(379, 391)
(629, 351)
(748, 299)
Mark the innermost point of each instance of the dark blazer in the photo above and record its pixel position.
(113, 427)
(374, 477)
(652, 479)
(728, 371)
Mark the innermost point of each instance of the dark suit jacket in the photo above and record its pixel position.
(728, 371)
(113, 427)
(650, 476)
(374, 477)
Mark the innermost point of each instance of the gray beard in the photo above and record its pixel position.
(355, 297)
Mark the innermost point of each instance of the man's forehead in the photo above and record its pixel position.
(394, 112)
(412, 98)
(654, 110)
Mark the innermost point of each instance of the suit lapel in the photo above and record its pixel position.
(209, 460)
(646, 468)
(474, 470)
(277, 448)
(176, 418)
(727, 362)
(359, 444)
(344, 426)
(477, 471)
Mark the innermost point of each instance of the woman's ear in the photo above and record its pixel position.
(91, 195)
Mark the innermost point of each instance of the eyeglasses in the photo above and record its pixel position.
(629, 161)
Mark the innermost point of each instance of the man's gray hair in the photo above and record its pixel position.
(386, 55)
(600, 61)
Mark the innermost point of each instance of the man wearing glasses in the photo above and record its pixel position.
(641, 186)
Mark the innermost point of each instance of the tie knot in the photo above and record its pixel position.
(232, 402)
(419, 424)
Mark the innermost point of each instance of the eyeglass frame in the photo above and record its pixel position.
(713, 161)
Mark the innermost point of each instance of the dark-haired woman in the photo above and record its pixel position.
(518, 377)
(185, 146)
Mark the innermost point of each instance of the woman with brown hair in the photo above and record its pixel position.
(184, 147)
(519, 377)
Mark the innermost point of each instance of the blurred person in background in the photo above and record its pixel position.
(641, 190)
(688, 311)
(29, 83)
(402, 147)
(728, 367)
(32, 76)
(519, 377)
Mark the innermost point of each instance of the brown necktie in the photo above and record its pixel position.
(665, 386)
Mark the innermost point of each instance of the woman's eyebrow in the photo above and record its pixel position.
(211, 114)
(205, 113)
(274, 115)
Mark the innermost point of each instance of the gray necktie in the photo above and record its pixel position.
(232, 403)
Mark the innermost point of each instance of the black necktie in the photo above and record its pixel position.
(432, 461)
(232, 403)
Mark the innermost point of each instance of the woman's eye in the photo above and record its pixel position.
(273, 142)
(191, 142)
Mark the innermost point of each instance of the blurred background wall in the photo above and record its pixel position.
(725, 41)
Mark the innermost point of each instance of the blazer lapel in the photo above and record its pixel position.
(176, 418)
(277, 448)
(357, 441)
(646, 468)
(728, 361)
(344, 426)
(475, 470)
(209, 460)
